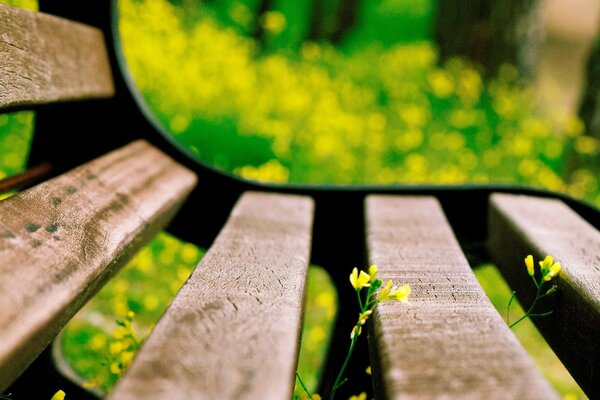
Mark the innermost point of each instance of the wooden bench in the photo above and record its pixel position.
(232, 331)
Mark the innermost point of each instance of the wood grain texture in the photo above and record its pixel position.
(61, 240)
(522, 225)
(449, 342)
(232, 332)
(45, 59)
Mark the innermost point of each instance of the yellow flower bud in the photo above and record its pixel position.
(356, 331)
(529, 264)
(363, 317)
(373, 273)
(60, 395)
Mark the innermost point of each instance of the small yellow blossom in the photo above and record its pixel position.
(315, 396)
(359, 281)
(553, 271)
(547, 263)
(115, 348)
(549, 268)
(60, 395)
(115, 368)
(126, 357)
(368, 370)
(373, 273)
(363, 317)
(529, 264)
(390, 292)
(362, 396)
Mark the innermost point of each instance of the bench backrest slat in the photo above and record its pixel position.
(521, 225)
(62, 239)
(45, 59)
(232, 331)
(449, 342)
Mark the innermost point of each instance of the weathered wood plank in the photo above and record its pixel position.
(45, 59)
(521, 225)
(61, 240)
(232, 331)
(449, 342)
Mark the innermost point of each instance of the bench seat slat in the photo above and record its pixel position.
(62, 239)
(45, 59)
(449, 341)
(232, 331)
(521, 225)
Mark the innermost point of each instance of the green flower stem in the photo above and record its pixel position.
(338, 379)
(359, 301)
(303, 386)
(530, 309)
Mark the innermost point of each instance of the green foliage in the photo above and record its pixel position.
(376, 114)
(15, 136)
(99, 350)
(26, 4)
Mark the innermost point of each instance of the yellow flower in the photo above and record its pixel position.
(315, 396)
(372, 273)
(529, 264)
(362, 396)
(553, 271)
(549, 268)
(394, 293)
(115, 348)
(115, 368)
(359, 281)
(126, 357)
(363, 317)
(60, 395)
(368, 370)
(547, 263)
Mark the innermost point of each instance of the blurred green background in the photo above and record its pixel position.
(291, 94)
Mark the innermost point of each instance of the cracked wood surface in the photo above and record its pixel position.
(232, 331)
(448, 342)
(45, 59)
(522, 225)
(62, 239)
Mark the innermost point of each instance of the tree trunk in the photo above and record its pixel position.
(332, 20)
(589, 109)
(346, 18)
(259, 30)
(316, 26)
(491, 33)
